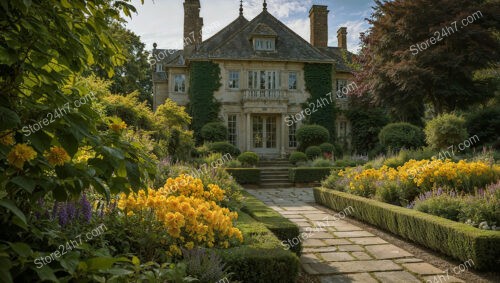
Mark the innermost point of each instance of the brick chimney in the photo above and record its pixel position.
(318, 15)
(192, 23)
(342, 37)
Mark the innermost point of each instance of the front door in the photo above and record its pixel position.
(264, 134)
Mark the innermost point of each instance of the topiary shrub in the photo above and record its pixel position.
(249, 158)
(485, 124)
(310, 135)
(224, 147)
(297, 157)
(445, 130)
(313, 152)
(396, 136)
(214, 132)
(327, 147)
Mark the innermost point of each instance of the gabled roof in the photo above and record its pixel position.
(235, 44)
(170, 57)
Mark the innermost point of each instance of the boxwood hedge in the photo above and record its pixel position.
(454, 239)
(283, 228)
(308, 174)
(261, 258)
(245, 175)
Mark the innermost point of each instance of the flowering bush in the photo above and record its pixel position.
(189, 212)
(416, 177)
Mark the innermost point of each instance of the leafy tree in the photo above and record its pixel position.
(447, 130)
(47, 116)
(443, 74)
(134, 71)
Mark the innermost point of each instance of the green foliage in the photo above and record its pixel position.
(445, 130)
(283, 228)
(130, 110)
(296, 157)
(214, 132)
(454, 239)
(245, 175)
(327, 147)
(366, 125)
(204, 81)
(262, 257)
(485, 123)
(321, 162)
(397, 136)
(249, 158)
(318, 80)
(309, 135)
(313, 152)
(303, 175)
(224, 148)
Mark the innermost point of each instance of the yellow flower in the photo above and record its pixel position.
(174, 250)
(7, 138)
(57, 156)
(117, 126)
(19, 154)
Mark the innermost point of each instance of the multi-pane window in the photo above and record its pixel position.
(292, 80)
(232, 130)
(180, 83)
(292, 140)
(263, 80)
(264, 44)
(234, 79)
(159, 68)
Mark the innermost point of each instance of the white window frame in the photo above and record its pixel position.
(159, 68)
(182, 87)
(264, 44)
(260, 79)
(290, 75)
(234, 79)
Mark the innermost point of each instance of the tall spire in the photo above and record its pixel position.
(265, 5)
(241, 7)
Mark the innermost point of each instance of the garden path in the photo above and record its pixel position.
(336, 250)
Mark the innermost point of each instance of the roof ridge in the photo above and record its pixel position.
(220, 31)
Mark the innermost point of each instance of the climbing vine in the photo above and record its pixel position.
(204, 81)
(318, 78)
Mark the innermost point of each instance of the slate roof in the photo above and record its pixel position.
(171, 57)
(336, 54)
(234, 43)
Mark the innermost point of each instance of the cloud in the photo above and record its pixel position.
(354, 28)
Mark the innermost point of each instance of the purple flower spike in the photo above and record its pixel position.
(86, 208)
(71, 208)
(63, 215)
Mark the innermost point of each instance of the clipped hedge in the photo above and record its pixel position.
(245, 175)
(283, 228)
(308, 174)
(223, 148)
(261, 258)
(454, 239)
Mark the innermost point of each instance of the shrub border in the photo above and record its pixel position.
(309, 174)
(282, 227)
(261, 258)
(245, 175)
(454, 239)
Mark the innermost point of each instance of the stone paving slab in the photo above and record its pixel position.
(339, 251)
(396, 277)
(443, 279)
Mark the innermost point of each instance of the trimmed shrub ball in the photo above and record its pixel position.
(214, 132)
(249, 158)
(224, 148)
(309, 135)
(313, 152)
(297, 157)
(396, 136)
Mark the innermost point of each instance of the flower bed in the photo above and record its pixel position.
(410, 183)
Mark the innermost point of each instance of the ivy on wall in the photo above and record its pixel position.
(318, 79)
(205, 79)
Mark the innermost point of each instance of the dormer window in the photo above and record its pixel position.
(159, 68)
(264, 44)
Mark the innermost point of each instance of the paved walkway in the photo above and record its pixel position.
(338, 251)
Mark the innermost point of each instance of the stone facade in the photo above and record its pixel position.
(262, 75)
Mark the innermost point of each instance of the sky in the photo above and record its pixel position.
(162, 21)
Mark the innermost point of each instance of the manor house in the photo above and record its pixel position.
(262, 75)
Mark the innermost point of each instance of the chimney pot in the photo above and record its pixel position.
(342, 37)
